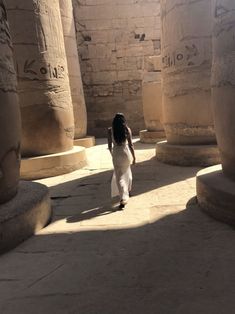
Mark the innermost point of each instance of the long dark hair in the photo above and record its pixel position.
(119, 127)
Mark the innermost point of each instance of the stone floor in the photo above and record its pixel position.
(161, 255)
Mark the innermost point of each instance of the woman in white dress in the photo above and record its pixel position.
(122, 150)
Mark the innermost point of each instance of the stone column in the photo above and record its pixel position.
(9, 115)
(216, 185)
(44, 91)
(152, 101)
(43, 85)
(186, 56)
(79, 106)
(24, 206)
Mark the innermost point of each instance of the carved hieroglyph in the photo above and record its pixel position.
(223, 81)
(43, 85)
(78, 100)
(186, 56)
(9, 115)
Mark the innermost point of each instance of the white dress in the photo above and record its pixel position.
(122, 176)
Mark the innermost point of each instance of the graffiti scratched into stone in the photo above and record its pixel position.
(36, 71)
(188, 55)
(28, 67)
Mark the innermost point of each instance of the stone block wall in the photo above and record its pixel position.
(114, 39)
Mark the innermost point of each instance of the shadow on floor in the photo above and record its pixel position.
(88, 197)
(180, 264)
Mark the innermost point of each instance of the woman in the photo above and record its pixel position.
(121, 148)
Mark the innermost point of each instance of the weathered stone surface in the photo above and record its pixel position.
(27, 213)
(114, 38)
(187, 155)
(152, 101)
(149, 137)
(9, 114)
(44, 92)
(53, 164)
(223, 82)
(186, 55)
(153, 63)
(79, 106)
(215, 189)
(86, 142)
(216, 194)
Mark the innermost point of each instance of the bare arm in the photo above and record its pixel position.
(110, 142)
(130, 144)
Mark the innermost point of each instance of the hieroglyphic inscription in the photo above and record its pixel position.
(31, 69)
(189, 54)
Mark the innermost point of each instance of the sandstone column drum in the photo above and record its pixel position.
(186, 70)
(79, 106)
(152, 102)
(216, 186)
(43, 85)
(44, 91)
(24, 206)
(9, 115)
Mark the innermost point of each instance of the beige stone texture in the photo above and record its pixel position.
(216, 185)
(27, 213)
(53, 164)
(114, 39)
(160, 255)
(86, 142)
(9, 114)
(216, 194)
(153, 63)
(223, 82)
(151, 137)
(43, 85)
(152, 101)
(187, 155)
(77, 94)
(186, 69)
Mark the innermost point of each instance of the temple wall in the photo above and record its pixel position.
(114, 39)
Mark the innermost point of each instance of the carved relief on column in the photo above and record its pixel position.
(9, 114)
(186, 53)
(223, 81)
(43, 85)
(78, 100)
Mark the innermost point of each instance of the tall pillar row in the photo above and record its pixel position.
(216, 185)
(24, 206)
(44, 89)
(186, 73)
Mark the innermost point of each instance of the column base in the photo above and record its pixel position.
(88, 141)
(53, 165)
(216, 194)
(151, 137)
(24, 215)
(187, 155)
